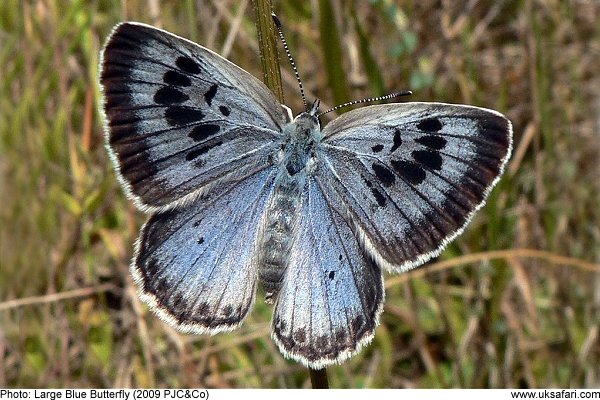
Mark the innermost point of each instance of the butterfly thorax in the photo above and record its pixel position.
(295, 162)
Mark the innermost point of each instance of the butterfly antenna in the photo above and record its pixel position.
(350, 103)
(279, 27)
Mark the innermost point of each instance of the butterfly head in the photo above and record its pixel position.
(306, 124)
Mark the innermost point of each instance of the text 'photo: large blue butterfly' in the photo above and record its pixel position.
(240, 192)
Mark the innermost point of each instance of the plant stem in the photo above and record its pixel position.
(318, 378)
(331, 45)
(268, 49)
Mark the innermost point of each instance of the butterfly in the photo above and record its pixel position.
(240, 192)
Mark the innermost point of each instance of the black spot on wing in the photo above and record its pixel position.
(377, 148)
(430, 125)
(357, 323)
(227, 310)
(203, 132)
(300, 335)
(176, 79)
(210, 94)
(169, 95)
(331, 275)
(428, 158)
(409, 171)
(321, 342)
(188, 65)
(224, 110)
(193, 154)
(280, 324)
(177, 305)
(201, 240)
(203, 308)
(379, 198)
(386, 176)
(432, 141)
(205, 314)
(397, 141)
(161, 289)
(182, 115)
(151, 268)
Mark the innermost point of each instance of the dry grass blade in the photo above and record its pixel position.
(55, 297)
(553, 259)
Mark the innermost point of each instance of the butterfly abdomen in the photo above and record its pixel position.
(278, 233)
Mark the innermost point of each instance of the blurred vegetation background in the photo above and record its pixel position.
(514, 302)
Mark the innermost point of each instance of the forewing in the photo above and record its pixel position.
(410, 176)
(196, 266)
(179, 116)
(332, 292)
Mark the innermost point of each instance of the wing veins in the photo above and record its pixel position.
(353, 272)
(156, 36)
(382, 239)
(360, 155)
(220, 254)
(234, 128)
(187, 149)
(415, 244)
(424, 214)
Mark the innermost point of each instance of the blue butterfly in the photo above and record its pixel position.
(239, 192)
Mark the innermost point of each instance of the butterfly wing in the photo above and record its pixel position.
(196, 266)
(332, 292)
(179, 116)
(410, 176)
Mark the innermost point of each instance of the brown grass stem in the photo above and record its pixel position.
(54, 297)
(494, 255)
